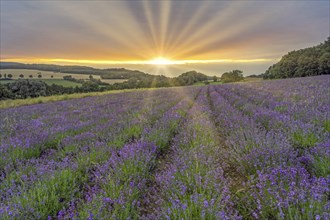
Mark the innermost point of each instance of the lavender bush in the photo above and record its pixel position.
(256, 150)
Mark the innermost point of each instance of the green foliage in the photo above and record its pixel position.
(5, 93)
(90, 86)
(232, 76)
(135, 80)
(305, 62)
(49, 196)
(304, 140)
(27, 88)
(281, 108)
(70, 78)
(133, 132)
(326, 126)
(321, 166)
(112, 73)
(190, 78)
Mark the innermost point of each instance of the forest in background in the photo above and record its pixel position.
(310, 61)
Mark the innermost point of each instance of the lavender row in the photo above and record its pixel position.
(277, 181)
(190, 183)
(304, 137)
(300, 134)
(93, 153)
(311, 107)
(101, 132)
(97, 152)
(121, 180)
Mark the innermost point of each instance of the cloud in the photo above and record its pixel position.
(142, 30)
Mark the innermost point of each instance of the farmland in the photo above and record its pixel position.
(45, 74)
(254, 150)
(52, 77)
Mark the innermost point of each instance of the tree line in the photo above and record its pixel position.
(310, 61)
(24, 88)
(110, 73)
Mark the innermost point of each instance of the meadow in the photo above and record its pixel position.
(253, 150)
(53, 77)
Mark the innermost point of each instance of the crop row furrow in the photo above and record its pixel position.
(79, 164)
(260, 155)
(121, 180)
(308, 112)
(190, 183)
(301, 135)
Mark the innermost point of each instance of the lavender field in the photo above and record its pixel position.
(258, 150)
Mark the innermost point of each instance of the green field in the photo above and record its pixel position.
(61, 82)
(48, 75)
(6, 81)
(45, 74)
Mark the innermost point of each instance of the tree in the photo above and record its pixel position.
(305, 62)
(9, 76)
(232, 76)
(24, 88)
(0, 75)
(30, 76)
(68, 77)
(215, 79)
(39, 76)
(21, 76)
(5, 93)
(90, 86)
(190, 78)
(90, 76)
(52, 76)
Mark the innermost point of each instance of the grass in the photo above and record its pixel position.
(53, 76)
(303, 140)
(203, 84)
(6, 81)
(246, 79)
(61, 82)
(43, 200)
(252, 79)
(45, 74)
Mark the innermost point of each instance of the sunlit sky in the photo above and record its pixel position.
(161, 37)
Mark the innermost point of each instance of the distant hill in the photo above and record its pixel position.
(113, 73)
(134, 78)
(305, 62)
(187, 78)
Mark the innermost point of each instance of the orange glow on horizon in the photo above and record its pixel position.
(155, 61)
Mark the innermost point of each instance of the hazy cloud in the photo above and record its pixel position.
(141, 30)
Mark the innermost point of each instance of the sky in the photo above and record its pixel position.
(161, 37)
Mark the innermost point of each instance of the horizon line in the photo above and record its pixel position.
(164, 61)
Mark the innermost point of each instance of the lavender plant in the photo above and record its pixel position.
(256, 150)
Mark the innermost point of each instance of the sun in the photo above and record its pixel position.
(160, 61)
